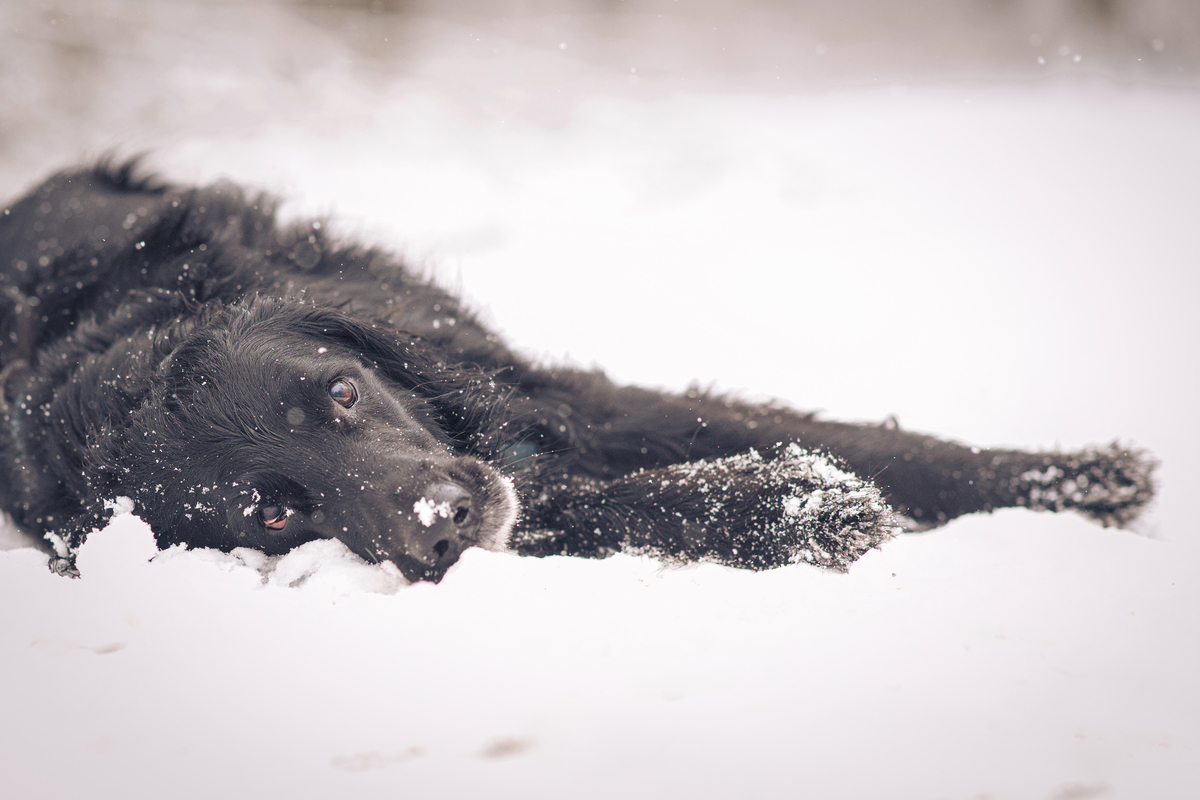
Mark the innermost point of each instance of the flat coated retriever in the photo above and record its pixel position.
(252, 385)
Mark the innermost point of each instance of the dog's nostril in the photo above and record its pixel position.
(452, 504)
(441, 547)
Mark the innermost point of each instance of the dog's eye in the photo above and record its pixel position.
(343, 393)
(273, 517)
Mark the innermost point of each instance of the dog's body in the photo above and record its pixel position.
(251, 386)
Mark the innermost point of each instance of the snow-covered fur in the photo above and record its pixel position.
(251, 385)
(744, 510)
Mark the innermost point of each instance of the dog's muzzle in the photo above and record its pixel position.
(466, 504)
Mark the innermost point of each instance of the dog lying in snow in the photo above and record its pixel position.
(248, 385)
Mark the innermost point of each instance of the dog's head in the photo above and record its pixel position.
(272, 424)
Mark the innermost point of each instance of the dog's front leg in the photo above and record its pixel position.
(932, 480)
(750, 510)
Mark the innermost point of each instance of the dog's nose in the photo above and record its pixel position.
(443, 525)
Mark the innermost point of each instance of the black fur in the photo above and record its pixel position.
(251, 385)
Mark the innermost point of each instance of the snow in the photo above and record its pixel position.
(1011, 656)
(1007, 260)
(426, 510)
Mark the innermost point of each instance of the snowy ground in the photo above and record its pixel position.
(1007, 260)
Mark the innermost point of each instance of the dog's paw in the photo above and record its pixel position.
(760, 512)
(1112, 484)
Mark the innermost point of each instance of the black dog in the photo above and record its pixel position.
(251, 386)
